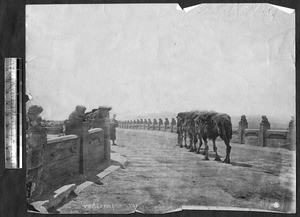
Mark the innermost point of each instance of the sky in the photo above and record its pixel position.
(153, 58)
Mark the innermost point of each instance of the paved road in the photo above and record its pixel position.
(161, 177)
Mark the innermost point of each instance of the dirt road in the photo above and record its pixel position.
(161, 177)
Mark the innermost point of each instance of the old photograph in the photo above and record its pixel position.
(153, 108)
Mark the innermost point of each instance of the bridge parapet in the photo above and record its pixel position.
(260, 136)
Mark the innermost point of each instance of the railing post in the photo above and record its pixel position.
(264, 126)
(173, 123)
(166, 124)
(35, 152)
(101, 120)
(243, 125)
(149, 123)
(154, 124)
(160, 122)
(292, 135)
(80, 129)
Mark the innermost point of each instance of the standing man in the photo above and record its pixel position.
(113, 124)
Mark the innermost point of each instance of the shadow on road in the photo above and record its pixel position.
(240, 164)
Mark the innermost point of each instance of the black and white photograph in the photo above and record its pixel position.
(154, 108)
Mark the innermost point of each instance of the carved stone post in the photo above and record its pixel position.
(134, 124)
(137, 124)
(36, 142)
(166, 124)
(154, 124)
(264, 126)
(160, 123)
(173, 123)
(77, 125)
(79, 129)
(101, 119)
(292, 135)
(141, 124)
(149, 123)
(243, 125)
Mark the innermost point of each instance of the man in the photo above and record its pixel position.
(113, 124)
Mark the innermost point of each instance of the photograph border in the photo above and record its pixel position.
(12, 44)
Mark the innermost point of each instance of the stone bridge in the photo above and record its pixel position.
(158, 176)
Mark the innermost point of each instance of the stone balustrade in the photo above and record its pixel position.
(262, 136)
(57, 153)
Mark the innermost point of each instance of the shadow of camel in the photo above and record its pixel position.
(240, 164)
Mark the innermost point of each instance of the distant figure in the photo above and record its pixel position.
(113, 124)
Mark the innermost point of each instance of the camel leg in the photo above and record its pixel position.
(195, 143)
(228, 149)
(206, 150)
(179, 142)
(200, 144)
(185, 145)
(191, 142)
(180, 138)
(217, 158)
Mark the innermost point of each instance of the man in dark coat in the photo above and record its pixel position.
(113, 124)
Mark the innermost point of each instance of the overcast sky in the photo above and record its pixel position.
(152, 58)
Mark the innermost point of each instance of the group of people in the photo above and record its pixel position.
(79, 115)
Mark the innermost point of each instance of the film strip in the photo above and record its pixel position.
(13, 112)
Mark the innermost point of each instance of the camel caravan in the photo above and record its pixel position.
(203, 126)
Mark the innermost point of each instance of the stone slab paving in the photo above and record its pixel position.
(160, 177)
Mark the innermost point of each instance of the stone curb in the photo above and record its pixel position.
(108, 171)
(119, 158)
(65, 191)
(82, 186)
(60, 194)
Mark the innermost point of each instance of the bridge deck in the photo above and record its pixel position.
(161, 177)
